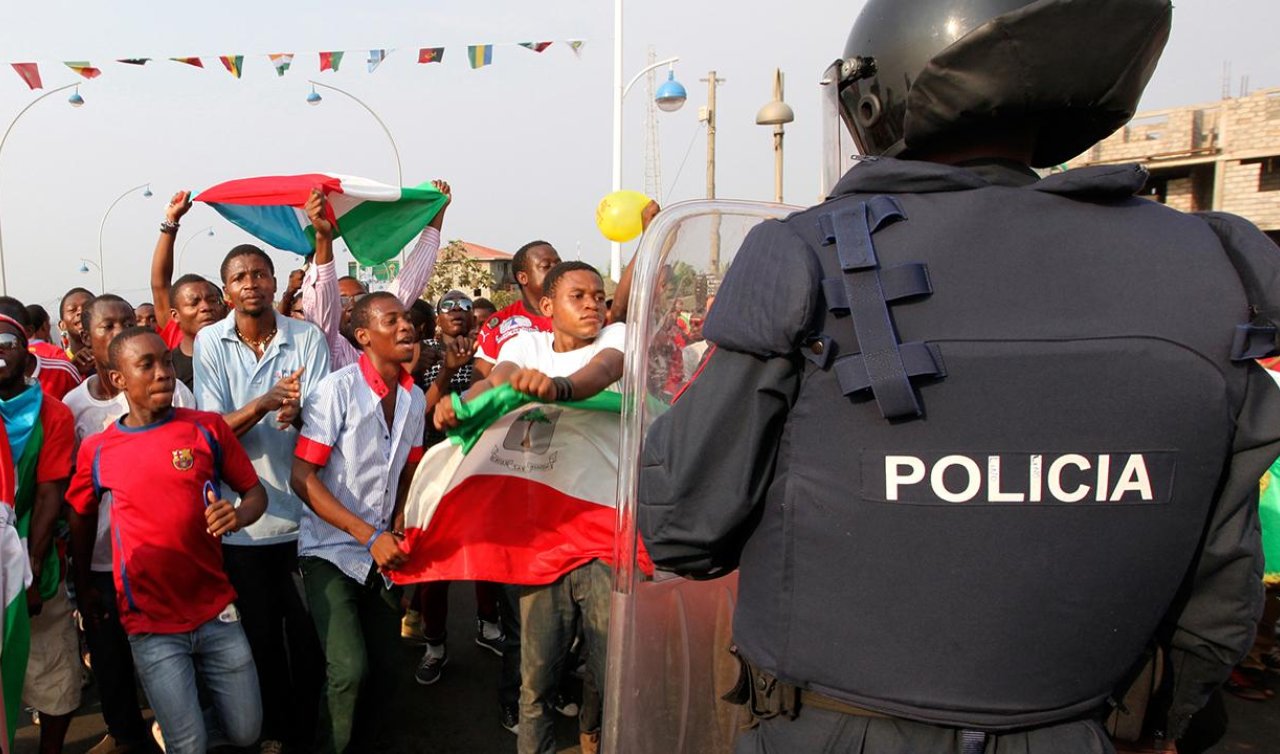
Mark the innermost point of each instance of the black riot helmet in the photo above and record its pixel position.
(925, 74)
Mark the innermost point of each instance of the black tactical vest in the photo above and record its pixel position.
(1017, 407)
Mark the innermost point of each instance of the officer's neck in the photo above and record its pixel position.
(1009, 147)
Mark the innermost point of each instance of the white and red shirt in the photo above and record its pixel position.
(345, 432)
(57, 377)
(499, 329)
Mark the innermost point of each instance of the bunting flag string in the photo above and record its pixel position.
(329, 61)
(233, 63)
(83, 68)
(30, 73)
(281, 61)
(480, 55)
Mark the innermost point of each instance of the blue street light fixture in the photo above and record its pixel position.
(75, 99)
(147, 193)
(671, 95)
(314, 98)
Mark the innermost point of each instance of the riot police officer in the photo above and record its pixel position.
(979, 440)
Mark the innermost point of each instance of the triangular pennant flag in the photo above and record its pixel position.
(375, 59)
(233, 63)
(431, 55)
(480, 55)
(83, 68)
(30, 74)
(189, 61)
(329, 61)
(281, 61)
(133, 61)
(536, 46)
(576, 46)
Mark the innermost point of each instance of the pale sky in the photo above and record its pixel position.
(524, 142)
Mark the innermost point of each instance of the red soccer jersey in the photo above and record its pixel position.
(507, 324)
(57, 377)
(168, 569)
(48, 350)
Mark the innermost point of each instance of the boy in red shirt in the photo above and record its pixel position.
(161, 466)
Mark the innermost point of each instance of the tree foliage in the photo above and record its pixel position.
(455, 269)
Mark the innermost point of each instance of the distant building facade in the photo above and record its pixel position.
(1218, 156)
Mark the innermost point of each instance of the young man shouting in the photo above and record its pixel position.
(160, 467)
(361, 441)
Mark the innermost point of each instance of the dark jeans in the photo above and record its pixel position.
(433, 604)
(509, 613)
(113, 667)
(359, 627)
(283, 639)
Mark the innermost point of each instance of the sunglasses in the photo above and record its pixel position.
(450, 304)
(350, 301)
(9, 341)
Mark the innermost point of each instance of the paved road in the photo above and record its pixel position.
(460, 712)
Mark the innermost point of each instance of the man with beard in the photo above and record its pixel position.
(362, 430)
(185, 306)
(235, 361)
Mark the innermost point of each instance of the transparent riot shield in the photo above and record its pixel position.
(668, 662)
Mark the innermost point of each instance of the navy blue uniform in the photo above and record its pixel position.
(999, 434)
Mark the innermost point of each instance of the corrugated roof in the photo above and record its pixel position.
(484, 253)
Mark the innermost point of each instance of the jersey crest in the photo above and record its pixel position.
(515, 322)
(183, 459)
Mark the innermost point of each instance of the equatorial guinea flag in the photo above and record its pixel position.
(522, 494)
(15, 577)
(376, 220)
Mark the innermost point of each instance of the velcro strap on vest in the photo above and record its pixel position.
(1253, 342)
(919, 360)
(972, 742)
(902, 281)
(880, 366)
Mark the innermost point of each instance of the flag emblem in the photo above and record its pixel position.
(531, 432)
(183, 459)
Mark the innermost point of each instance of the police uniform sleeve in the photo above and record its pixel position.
(709, 460)
(1215, 626)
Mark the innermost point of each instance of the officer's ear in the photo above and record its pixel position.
(545, 305)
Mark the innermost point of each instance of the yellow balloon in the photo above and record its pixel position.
(618, 215)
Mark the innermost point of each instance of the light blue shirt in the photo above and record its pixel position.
(228, 375)
(345, 433)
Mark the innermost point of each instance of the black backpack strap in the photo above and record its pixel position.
(863, 291)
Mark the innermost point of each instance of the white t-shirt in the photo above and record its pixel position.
(93, 416)
(533, 350)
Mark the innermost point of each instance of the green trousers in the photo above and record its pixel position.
(359, 628)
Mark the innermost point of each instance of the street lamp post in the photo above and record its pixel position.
(673, 99)
(314, 98)
(75, 101)
(777, 113)
(186, 243)
(102, 277)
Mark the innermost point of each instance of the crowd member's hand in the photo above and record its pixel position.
(458, 352)
(386, 552)
(220, 515)
(35, 603)
(285, 392)
(178, 206)
(295, 281)
(428, 357)
(442, 187)
(534, 383)
(83, 361)
(89, 602)
(288, 414)
(647, 214)
(445, 417)
(315, 212)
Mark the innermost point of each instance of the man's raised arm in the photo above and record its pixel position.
(162, 257)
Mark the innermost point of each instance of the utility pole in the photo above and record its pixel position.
(708, 115)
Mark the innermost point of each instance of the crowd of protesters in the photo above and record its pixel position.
(211, 486)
